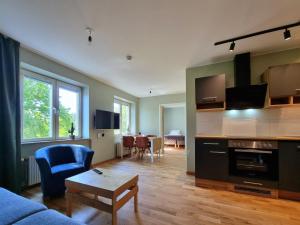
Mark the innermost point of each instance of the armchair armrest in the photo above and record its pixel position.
(43, 164)
(83, 155)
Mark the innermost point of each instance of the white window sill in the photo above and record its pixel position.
(54, 141)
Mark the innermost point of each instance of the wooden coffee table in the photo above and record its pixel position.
(86, 187)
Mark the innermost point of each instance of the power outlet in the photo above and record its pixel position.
(100, 135)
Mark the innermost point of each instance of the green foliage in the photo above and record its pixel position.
(125, 119)
(37, 111)
(66, 118)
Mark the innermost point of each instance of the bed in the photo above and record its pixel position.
(175, 137)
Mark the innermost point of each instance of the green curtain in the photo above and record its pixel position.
(10, 131)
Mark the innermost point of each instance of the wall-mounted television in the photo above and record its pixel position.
(106, 120)
(116, 121)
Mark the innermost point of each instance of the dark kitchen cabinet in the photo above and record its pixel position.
(210, 92)
(283, 80)
(211, 159)
(289, 166)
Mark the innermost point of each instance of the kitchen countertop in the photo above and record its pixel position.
(280, 138)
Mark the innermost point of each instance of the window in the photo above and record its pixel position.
(37, 109)
(49, 107)
(69, 109)
(123, 108)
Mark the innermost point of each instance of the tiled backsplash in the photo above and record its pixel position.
(250, 122)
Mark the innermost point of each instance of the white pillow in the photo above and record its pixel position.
(175, 132)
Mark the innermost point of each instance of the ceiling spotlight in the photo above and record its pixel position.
(89, 30)
(287, 34)
(232, 45)
(129, 57)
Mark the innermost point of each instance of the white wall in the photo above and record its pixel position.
(149, 111)
(174, 119)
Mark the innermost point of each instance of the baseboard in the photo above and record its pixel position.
(213, 184)
(190, 173)
(289, 195)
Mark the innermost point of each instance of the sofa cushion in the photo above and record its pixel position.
(67, 170)
(14, 207)
(47, 217)
(60, 154)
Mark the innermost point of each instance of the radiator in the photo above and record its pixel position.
(118, 149)
(34, 176)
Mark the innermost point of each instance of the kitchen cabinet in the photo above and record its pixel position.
(211, 157)
(210, 92)
(289, 166)
(283, 81)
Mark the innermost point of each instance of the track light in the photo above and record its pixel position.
(287, 34)
(232, 45)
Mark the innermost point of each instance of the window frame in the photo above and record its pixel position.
(55, 104)
(121, 103)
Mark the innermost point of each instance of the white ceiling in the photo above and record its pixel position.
(164, 36)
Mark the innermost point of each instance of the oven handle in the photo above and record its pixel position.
(211, 143)
(253, 183)
(217, 152)
(253, 151)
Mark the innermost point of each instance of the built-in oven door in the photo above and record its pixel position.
(254, 163)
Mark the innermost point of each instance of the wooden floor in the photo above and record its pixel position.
(168, 196)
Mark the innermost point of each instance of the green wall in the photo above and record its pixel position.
(258, 65)
(174, 119)
(149, 111)
(99, 96)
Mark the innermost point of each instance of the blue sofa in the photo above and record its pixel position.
(58, 162)
(15, 209)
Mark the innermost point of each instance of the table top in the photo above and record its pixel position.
(109, 182)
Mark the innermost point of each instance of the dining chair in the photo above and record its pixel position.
(142, 144)
(157, 146)
(128, 143)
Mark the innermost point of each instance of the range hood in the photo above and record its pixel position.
(244, 95)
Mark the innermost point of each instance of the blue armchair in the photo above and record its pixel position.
(58, 162)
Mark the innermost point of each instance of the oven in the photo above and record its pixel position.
(253, 159)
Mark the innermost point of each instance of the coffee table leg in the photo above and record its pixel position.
(136, 200)
(69, 204)
(114, 211)
(114, 217)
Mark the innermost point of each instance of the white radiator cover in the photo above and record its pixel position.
(34, 176)
(118, 148)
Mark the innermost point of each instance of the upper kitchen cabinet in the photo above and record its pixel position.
(210, 92)
(284, 84)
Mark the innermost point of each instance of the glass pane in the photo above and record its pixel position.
(68, 112)
(117, 109)
(37, 109)
(125, 119)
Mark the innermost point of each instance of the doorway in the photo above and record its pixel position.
(172, 125)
